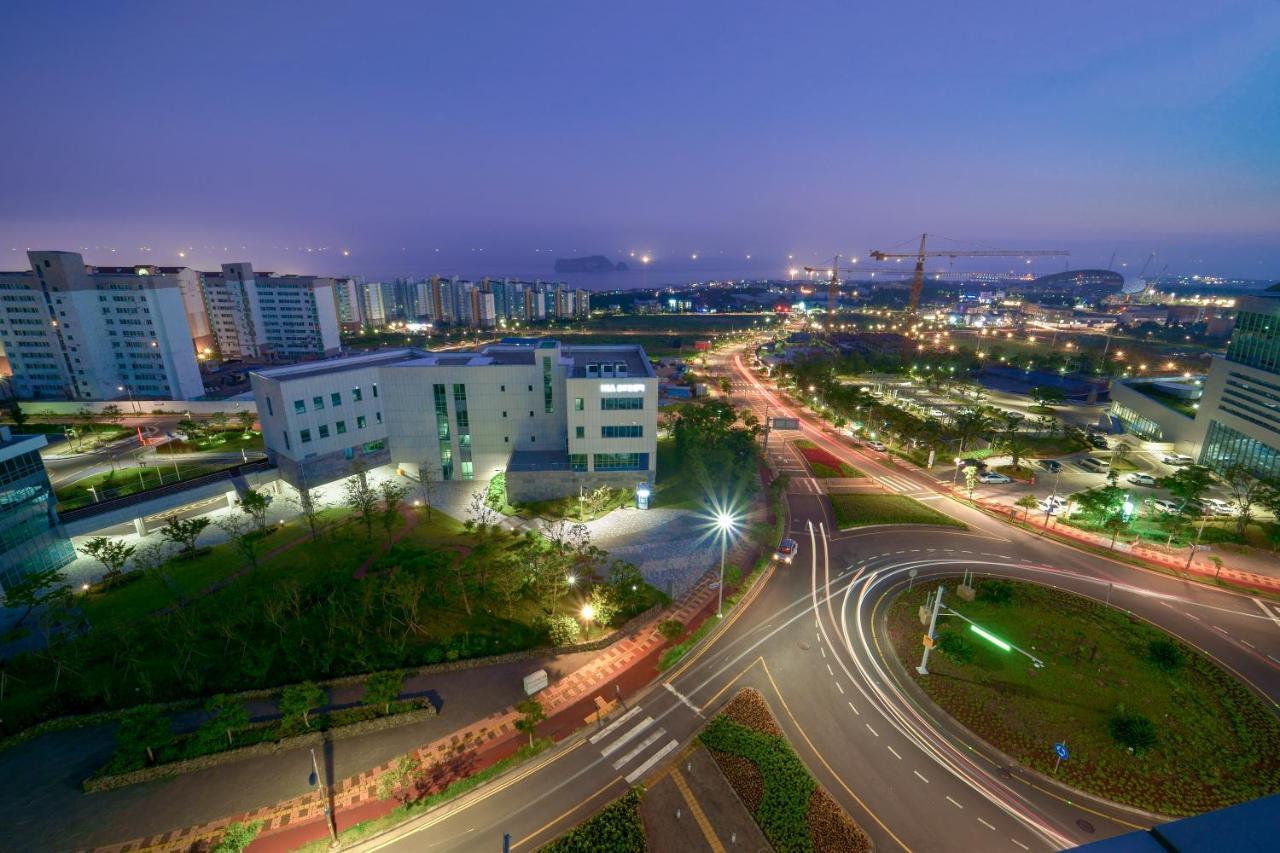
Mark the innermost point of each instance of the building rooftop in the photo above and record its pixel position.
(12, 445)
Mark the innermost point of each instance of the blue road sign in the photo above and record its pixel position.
(1061, 749)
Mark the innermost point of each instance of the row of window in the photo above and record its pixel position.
(612, 404)
(335, 400)
(624, 431)
(322, 431)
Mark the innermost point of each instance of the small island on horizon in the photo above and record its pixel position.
(590, 263)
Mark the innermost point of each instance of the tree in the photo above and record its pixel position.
(1187, 484)
(427, 481)
(111, 414)
(184, 532)
(480, 516)
(531, 714)
(255, 504)
(603, 604)
(32, 589)
(309, 506)
(143, 729)
(383, 688)
(1114, 524)
(193, 430)
(16, 414)
(971, 479)
(1245, 490)
(297, 701)
(113, 554)
(563, 630)
(246, 538)
(1048, 396)
(1028, 503)
(392, 499)
(218, 422)
(1015, 444)
(628, 585)
(227, 715)
(1121, 453)
(247, 420)
(361, 499)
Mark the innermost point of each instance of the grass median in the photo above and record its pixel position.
(861, 510)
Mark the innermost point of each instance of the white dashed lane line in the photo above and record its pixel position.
(954, 803)
(1249, 644)
(1019, 843)
(854, 710)
(1223, 630)
(921, 776)
(987, 825)
(895, 753)
(840, 688)
(830, 671)
(873, 731)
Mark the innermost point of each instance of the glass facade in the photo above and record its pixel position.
(1224, 447)
(1256, 339)
(624, 431)
(464, 430)
(30, 539)
(548, 386)
(611, 404)
(621, 461)
(1253, 400)
(441, 396)
(1136, 423)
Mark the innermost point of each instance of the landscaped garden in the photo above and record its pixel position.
(861, 510)
(128, 480)
(822, 463)
(1148, 720)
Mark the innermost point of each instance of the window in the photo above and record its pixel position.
(502, 388)
(530, 414)
(375, 389)
(336, 399)
(317, 403)
(468, 469)
(625, 431)
(613, 404)
(299, 407)
(578, 461)
(341, 427)
(506, 439)
(548, 392)
(577, 404)
(621, 461)
(269, 411)
(504, 414)
(530, 387)
(579, 432)
(306, 436)
(324, 430)
(360, 422)
(356, 394)
(378, 416)
(287, 445)
(374, 446)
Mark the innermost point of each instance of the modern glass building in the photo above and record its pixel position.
(30, 536)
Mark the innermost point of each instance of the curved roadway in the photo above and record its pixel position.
(810, 639)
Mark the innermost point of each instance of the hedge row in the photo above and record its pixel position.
(616, 828)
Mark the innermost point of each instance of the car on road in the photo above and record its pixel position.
(1094, 464)
(1142, 480)
(1052, 505)
(876, 445)
(973, 463)
(1097, 442)
(1015, 416)
(1216, 506)
(786, 551)
(937, 413)
(992, 478)
(1176, 459)
(1053, 466)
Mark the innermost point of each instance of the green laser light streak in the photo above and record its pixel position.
(989, 637)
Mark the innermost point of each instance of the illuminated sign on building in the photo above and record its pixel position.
(610, 388)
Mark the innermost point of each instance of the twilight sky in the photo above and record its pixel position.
(416, 134)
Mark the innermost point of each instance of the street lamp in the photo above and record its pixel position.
(588, 613)
(726, 522)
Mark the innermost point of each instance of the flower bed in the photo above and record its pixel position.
(823, 464)
(792, 810)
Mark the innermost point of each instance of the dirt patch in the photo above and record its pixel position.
(831, 829)
(744, 776)
(749, 709)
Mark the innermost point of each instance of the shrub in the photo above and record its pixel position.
(237, 837)
(563, 630)
(995, 591)
(616, 828)
(670, 629)
(1133, 731)
(1165, 655)
(956, 647)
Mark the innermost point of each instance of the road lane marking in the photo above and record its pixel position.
(695, 808)
(1247, 643)
(1267, 611)
(873, 731)
(823, 650)
(1193, 616)
(653, 759)
(612, 727)
(987, 825)
(854, 710)
(684, 699)
(895, 753)
(919, 774)
(1019, 843)
(831, 671)
(954, 803)
(620, 742)
(641, 747)
(1223, 630)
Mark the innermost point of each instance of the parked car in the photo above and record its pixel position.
(1164, 505)
(786, 551)
(1142, 480)
(876, 445)
(1216, 506)
(973, 463)
(1094, 464)
(1052, 505)
(1097, 442)
(992, 478)
(937, 413)
(1015, 416)
(1176, 459)
(1053, 466)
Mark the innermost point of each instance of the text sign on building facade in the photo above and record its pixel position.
(626, 388)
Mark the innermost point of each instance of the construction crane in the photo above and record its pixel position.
(917, 283)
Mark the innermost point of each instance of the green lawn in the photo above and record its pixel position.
(130, 480)
(860, 510)
(676, 487)
(226, 441)
(1215, 743)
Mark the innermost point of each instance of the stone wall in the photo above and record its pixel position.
(529, 486)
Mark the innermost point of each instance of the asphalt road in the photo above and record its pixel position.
(808, 640)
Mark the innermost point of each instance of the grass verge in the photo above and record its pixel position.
(861, 510)
(1150, 722)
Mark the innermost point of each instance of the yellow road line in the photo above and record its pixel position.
(565, 814)
(731, 682)
(718, 631)
(814, 749)
(696, 810)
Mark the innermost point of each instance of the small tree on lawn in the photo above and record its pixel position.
(255, 504)
(629, 588)
(111, 414)
(427, 480)
(246, 419)
(185, 532)
(245, 537)
(1048, 396)
(297, 701)
(16, 414)
(603, 604)
(309, 507)
(1245, 491)
(480, 516)
(531, 714)
(1114, 524)
(143, 729)
(1187, 484)
(217, 422)
(971, 480)
(1028, 503)
(113, 554)
(192, 429)
(563, 630)
(361, 499)
(392, 499)
(227, 715)
(32, 589)
(383, 688)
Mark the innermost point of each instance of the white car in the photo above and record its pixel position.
(876, 445)
(1052, 505)
(1166, 506)
(1142, 480)
(993, 478)
(1176, 459)
(1094, 464)
(1215, 506)
(937, 413)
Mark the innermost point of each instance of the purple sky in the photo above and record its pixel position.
(393, 130)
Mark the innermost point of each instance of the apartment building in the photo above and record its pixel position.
(552, 417)
(261, 316)
(78, 332)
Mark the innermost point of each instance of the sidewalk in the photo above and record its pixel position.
(629, 663)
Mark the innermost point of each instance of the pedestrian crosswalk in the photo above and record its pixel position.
(898, 484)
(631, 738)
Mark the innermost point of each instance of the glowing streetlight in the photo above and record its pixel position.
(588, 614)
(726, 523)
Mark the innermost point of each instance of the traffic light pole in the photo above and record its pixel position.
(923, 668)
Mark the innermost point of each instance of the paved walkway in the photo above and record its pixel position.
(628, 663)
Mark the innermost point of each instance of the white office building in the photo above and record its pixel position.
(552, 417)
(78, 332)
